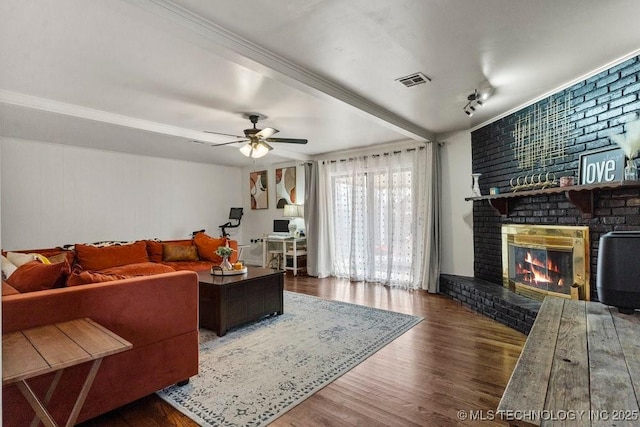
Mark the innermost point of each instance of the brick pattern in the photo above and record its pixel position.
(493, 301)
(601, 105)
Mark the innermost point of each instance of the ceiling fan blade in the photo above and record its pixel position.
(288, 140)
(230, 142)
(266, 145)
(218, 145)
(266, 132)
(223, 134)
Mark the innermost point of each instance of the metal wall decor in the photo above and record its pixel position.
(533, 181)
(540, 135)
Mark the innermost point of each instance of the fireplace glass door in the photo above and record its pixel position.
(545, 269)
(546, 260)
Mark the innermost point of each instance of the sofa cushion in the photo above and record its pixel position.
(93, 258)
(7, 268)
(154, 250)
(171, 252)
(139, 269)
(7, 289)
(54, 255)
(35, 276)
(190, 265)
(208, 245)
(19, 259)
(87, 277)
(61, 257)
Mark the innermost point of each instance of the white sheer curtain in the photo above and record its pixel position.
(377, 207)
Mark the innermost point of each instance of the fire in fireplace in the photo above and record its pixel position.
(546, 260)
(549, 270)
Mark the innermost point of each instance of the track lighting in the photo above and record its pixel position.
(476, 99)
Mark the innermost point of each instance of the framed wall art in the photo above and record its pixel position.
(606, 165)
(285, 186)
(259, 190)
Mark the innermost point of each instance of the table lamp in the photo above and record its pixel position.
(294, 212)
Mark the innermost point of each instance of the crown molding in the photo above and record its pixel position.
(248, 54)
(558, 89)
(49, 105)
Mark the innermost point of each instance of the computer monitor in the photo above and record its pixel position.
(235, 213)
(281, 226)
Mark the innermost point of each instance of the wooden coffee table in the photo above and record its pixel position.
(228, 301)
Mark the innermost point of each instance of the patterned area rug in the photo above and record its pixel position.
(256, 373)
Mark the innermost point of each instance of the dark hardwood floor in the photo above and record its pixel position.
(454, 360)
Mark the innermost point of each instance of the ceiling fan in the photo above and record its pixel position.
(257, 139)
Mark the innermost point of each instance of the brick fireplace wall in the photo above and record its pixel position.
(601, 105)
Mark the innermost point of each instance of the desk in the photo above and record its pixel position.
(581, 358)
(278, 250)
(52, 348)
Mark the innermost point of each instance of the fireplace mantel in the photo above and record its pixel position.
(581, 196)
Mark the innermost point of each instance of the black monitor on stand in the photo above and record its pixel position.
(235, 214)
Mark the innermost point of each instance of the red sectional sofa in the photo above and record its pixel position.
(146, 302)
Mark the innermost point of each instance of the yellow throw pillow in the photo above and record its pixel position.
(43, 259)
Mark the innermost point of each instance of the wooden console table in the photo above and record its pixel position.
(579, 366)
(52, 348)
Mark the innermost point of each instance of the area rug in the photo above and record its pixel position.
(256, 373)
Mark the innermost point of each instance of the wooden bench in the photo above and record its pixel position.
(579, 366)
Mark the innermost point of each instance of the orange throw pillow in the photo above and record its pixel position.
(35, 276)
(87, 277)
(93, 258)
(154, 250)
(208, 245)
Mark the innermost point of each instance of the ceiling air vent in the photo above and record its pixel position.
(413, 79)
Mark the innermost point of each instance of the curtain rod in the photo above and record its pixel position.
(348, 159)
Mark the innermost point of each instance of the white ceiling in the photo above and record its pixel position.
(148, 76)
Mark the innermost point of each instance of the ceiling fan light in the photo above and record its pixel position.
(259, 150)
(246, 150)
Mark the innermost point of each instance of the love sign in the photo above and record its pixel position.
(605, 165)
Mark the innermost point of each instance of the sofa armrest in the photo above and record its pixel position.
(142, 310)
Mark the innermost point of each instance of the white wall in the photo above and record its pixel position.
(54, 194)
(457, 214)
(258, 223)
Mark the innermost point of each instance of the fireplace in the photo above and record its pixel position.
(540, 260)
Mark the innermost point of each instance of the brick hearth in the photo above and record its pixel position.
(492, 300)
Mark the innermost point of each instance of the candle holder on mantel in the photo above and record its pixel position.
(475, 188)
